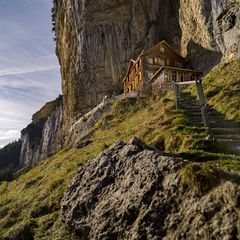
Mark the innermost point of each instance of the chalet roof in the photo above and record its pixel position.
(166, 44)
(132, 62)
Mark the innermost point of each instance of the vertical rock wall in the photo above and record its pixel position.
(96, 39)
(43, 136)
(210, 31)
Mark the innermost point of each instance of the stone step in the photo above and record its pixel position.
(232, 137)
(218, 119)
(189, 102)
(211, 114)
(188, 106)
(186, 99)
(222, 131)
(229, 146)
(221, 124)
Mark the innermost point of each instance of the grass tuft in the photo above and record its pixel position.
(199, 176)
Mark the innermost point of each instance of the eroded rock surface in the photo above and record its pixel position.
(133, 192)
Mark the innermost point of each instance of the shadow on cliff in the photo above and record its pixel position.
(202, 59)
(163, 26)
(169, 27)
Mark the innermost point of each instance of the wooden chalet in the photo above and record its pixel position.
(157, 68)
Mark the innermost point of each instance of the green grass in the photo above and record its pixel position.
(222, 89)
(201, 177)
(155, 121)
(32, 202)
(3, 187)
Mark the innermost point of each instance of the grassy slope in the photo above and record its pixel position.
(31, 206)
(222, 89)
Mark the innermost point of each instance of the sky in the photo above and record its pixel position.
(29, 69)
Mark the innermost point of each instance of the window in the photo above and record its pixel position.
(150, 74)
(168, 61)
(178, 64)
(137, 66)
(182, 78)
(174, 76)
(150, 60)
(162, 49)
(136, 80)
(156, 60)
(162, 62)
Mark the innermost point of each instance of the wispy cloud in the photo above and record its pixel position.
(9, 134)
(29, 70)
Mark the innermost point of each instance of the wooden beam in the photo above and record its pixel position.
(187, 82)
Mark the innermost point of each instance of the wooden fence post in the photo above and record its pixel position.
(176, 91)
(203, 106)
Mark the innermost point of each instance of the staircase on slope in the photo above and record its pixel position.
(225, 133)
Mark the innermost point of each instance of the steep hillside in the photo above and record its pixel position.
(222, 89)
(174, 159)
(30, 205)
(96, 40)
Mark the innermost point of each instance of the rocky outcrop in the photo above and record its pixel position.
(96, 40)
(43, 136)
(131, 191)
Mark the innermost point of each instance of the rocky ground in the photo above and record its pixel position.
(131, 191)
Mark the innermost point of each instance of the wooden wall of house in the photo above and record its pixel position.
(133, 80)
(160, 55)
(168, 76)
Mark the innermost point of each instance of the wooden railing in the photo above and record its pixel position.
(202, 102)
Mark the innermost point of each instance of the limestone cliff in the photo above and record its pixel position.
(210, 31)
(43, 136)
(96, 39)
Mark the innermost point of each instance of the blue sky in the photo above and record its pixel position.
(29, 70)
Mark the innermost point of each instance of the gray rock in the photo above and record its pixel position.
(43, 137)
(132, 192)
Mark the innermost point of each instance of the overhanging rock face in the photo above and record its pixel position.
(96, 40)
(132, 192)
